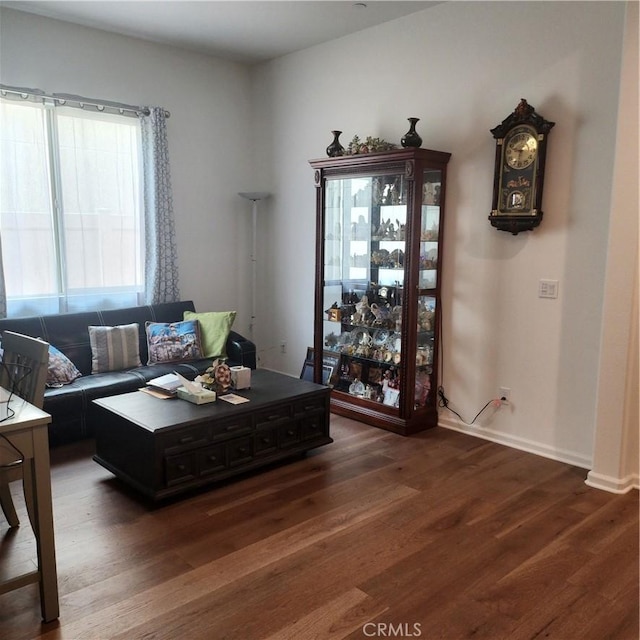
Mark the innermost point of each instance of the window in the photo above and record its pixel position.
(70, 209)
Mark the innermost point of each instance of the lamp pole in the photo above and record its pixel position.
(255, 197)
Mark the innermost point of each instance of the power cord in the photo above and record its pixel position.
(443, 402)
(14, 383)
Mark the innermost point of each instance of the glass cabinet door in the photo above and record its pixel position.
(427, 282)
(365, 249)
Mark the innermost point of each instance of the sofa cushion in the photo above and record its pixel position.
(114, 348)
(214, 330)
(188, 369)
(173, 341)
(61, 370)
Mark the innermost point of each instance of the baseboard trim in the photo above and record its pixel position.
(530, 446)
(611, 484)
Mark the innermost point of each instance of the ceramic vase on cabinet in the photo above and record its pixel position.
(411, 138)
(335, 148)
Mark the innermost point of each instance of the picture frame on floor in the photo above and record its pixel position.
(329, 366)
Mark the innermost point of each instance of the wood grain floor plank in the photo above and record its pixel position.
(602, 527)
(336, 619)
(574, 613)
(282, 512)
(171, 594)
(612, 575)
(462, 537)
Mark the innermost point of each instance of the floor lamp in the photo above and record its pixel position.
(255, 197)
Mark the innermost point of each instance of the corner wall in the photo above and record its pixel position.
(615, 461)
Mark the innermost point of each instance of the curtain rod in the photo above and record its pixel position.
(79, 101)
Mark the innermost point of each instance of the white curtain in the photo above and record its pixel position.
(161, 259)
(103, 264)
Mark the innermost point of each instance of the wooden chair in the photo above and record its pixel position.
(23, 373)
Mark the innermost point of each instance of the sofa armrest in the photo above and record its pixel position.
(241, 351)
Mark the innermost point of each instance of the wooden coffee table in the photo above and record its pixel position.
(164, 447)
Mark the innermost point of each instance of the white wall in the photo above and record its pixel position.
(463, 67)
(208, 133)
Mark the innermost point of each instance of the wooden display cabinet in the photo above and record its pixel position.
(378, 273)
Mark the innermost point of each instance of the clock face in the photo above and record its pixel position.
(521, 148)
(517, 183)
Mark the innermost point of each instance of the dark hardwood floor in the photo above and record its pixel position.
(436, 536)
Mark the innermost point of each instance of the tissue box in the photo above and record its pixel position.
(203, 397)
(241, 377)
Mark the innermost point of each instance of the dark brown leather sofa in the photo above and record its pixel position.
(70, 406)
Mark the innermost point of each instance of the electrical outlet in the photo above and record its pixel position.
(504, 393)
(283, 347)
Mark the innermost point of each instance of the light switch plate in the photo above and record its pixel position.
(548, 289)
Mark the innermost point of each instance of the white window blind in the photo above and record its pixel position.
(70, 209)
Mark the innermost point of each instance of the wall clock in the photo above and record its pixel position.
(521, 148)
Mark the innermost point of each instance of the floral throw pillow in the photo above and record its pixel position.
(173, 341)
(61, 370)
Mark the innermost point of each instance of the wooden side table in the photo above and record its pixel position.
(27, 431)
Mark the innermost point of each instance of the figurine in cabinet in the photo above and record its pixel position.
(396, 318)
(331, 341)
(381, 312)
(363, 314)
(333, 313)
(390, 388)
(425, 319)
(423, 386)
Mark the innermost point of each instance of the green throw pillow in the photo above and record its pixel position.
(214, 330)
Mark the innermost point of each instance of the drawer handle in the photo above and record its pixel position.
(266, 440)
(231, 427)
(274, 417)
(309, 407)
(212, 458)
(242, 450)
(181, 467)
(186, 439)
(291, 432)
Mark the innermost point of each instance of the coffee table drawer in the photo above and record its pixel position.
(184, 438)
(272, 416)
(289, 434)
(211, 459)
(232, 427)
(240, 451)
(313, 426)
(266, 441)
(305, 406)
(180, 468)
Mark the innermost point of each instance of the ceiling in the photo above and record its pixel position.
(241, 30)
